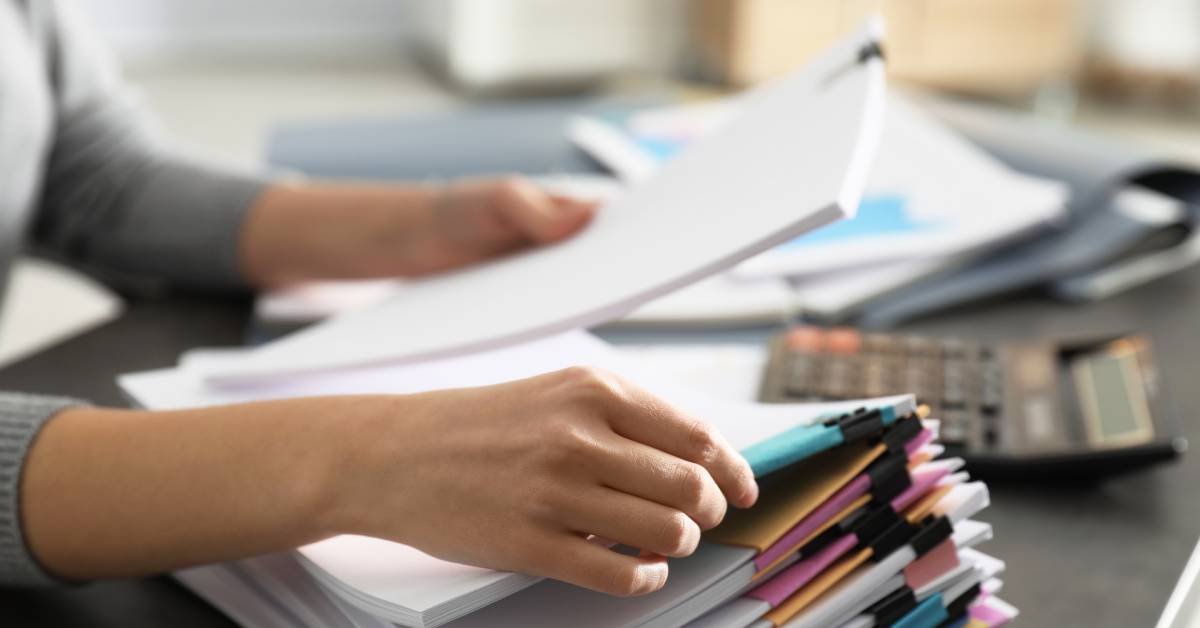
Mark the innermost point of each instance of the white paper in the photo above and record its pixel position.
(833, 295)
(314, 301)
(393, 580)
(743, 423)
(967, 198)
(797, 158)
(47, 304)
(551, 603)
(719, 300)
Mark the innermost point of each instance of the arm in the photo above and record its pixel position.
(116, 197)
(336, 231)
(513, 476)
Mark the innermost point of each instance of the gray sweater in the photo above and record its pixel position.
(84, 177)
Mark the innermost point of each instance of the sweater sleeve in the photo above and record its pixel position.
(21, 418)
(116, 197)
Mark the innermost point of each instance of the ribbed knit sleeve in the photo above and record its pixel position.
(21, 418)
(118, 196)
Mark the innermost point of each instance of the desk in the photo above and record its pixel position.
(1101, 556)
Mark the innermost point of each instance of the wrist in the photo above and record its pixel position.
(299, 232)
(360, 442)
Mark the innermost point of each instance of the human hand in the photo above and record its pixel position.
(526, 476)
(301, 232)
(474, 220)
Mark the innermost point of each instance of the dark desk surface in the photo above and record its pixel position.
(1105, 555)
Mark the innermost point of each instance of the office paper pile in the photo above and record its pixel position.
(932, 201)
(858, 523)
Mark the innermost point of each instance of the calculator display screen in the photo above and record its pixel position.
(1112, 396)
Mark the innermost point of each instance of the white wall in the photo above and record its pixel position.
(147, 29)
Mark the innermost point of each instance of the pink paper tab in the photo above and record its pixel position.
(938, 561)
(832, 506)
(856, 488)
(923, 481)
(918, 442)
(991, 616)
(790, 580)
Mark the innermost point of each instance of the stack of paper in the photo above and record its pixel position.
(933, 200)
(856, 522)
(840, 490)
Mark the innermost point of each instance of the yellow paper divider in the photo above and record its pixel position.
(801, 599)
(789, 495)
(836, 519)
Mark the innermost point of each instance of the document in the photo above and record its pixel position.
(796, 158)
(47, 304)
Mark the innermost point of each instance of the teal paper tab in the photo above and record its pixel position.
(791, 446)
(928, 614)
(800, 442)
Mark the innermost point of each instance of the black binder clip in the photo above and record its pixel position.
(894, 607)
(962, 604)
(873, 523)
(902, 432)
(889, 476)
(871, 50)
(933, 531)
(892, 539)
(821, 541)
(857, 425)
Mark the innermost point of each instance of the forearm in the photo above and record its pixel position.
(299, 231)
(112, 493)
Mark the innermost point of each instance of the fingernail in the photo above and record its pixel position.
(655, 577)
(751, 495)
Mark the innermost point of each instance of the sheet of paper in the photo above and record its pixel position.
(931, 193)
(811, 137)
(47, 304)
(913, 207)
(834, 295)
(720, 300)
(553, 604)
(315, 301)
(744, 423)
(359, 566)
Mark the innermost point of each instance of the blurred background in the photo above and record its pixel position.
(221, 72)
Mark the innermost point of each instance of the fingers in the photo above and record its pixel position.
(631, 521)
(576, 561)
(541, 217)
(648, 473)
(642, 417)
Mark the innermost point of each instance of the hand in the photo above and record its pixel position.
(519, 476)
(299, 232)
(471, 221)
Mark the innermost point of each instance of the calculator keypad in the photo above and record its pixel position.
(961, 382)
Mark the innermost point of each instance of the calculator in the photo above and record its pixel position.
(1051, 409)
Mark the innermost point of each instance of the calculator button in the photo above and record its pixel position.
(805, 339)
(878, 343)
(801, 374)
(918, 347)
(990, 437)
(954, 427)
(838, 377)
(843, 340)
(875, 378)
(954, 349)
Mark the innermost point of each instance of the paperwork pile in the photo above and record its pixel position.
(855, 511)
(857, 522)
(932, 201)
